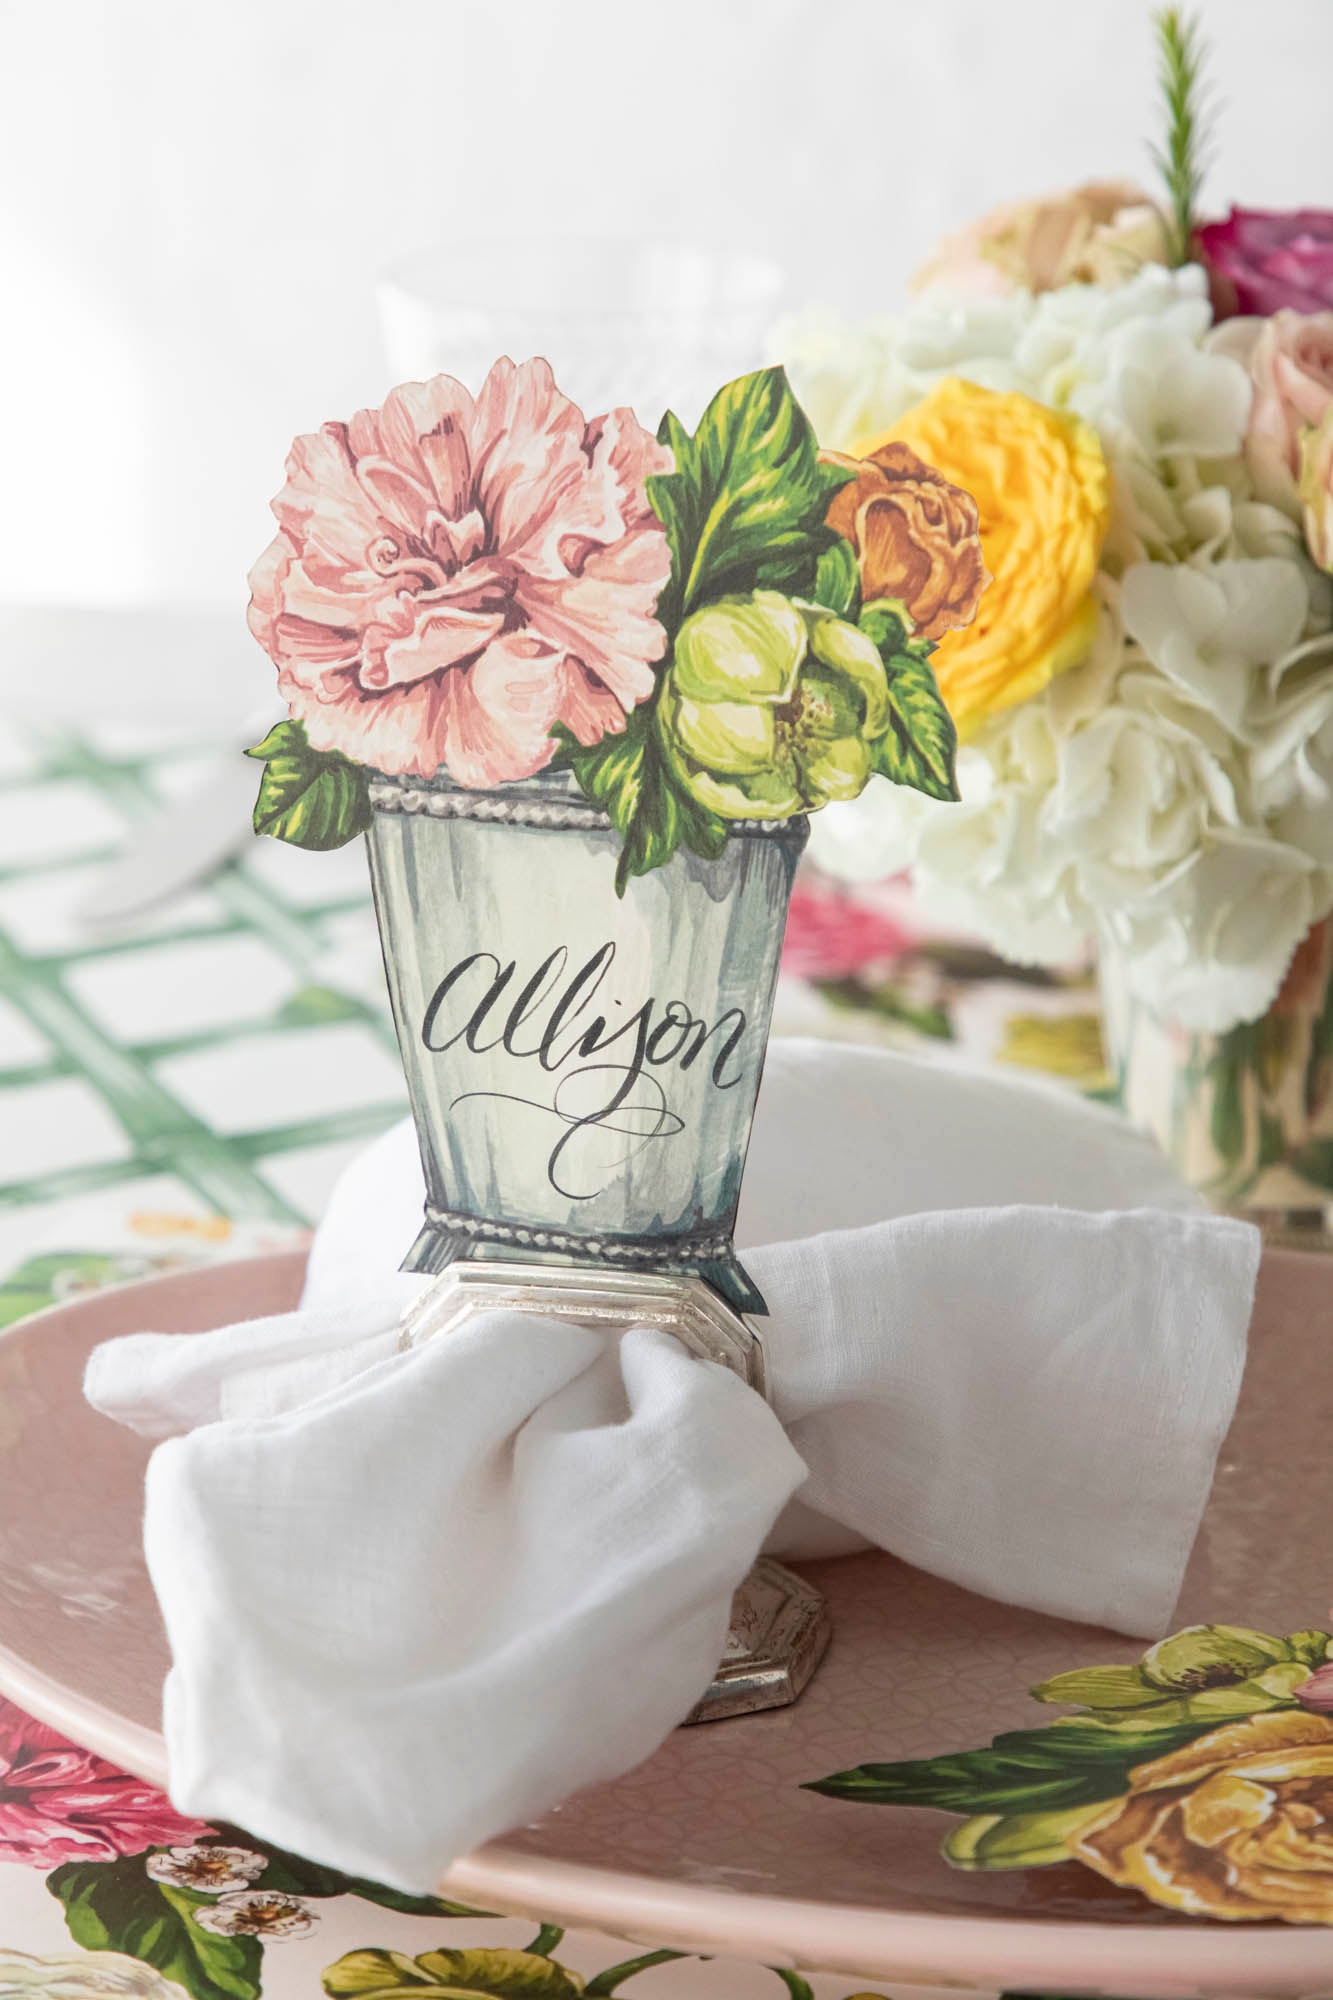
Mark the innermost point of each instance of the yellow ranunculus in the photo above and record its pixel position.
(1043, 494)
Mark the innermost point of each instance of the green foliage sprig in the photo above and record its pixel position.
(1181, 54)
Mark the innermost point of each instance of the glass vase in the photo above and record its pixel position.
(1245, 1116)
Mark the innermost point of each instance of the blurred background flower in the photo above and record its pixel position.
(1098, 234)
(1268, 260)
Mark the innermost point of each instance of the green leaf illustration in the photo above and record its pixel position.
(377, 1974)
(1311, 1645)
(312, 798)
(1017, 1840)
(39, 1281)
(290, 1875)
(920, 746)
(1055, 1769)
(837, 583)
(1100, 1687)
(745, 504)
(629, 777)
(116, 1906)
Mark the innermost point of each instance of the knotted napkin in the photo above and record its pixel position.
(415, 1598)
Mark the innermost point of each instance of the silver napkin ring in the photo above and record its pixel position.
(607, 1301)
(779, 1622)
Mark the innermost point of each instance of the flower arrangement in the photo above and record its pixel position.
(1145, 697)
(698, 629)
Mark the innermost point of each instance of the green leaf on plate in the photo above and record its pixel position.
(745, 503)
(1017, 1840)
(376, 1974)
(291, 1875)
(311, 798)
(116, 1906)
(1055, 1769)
(1100, 1687)
(1310, 1645)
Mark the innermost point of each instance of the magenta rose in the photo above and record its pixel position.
(455, 575)
(1264, 259)
(59, 1803)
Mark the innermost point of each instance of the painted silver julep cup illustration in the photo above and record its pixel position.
(582, 1067)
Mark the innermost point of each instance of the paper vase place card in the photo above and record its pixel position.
(580, 686)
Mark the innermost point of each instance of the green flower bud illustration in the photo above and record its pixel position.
(772, 707)
(1207, 1674)
(1018, 1840)
(1210, 1656)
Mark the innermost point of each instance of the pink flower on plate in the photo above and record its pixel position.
(59, 1803)
(833, 936)
(1316, 1694)
(454, 575)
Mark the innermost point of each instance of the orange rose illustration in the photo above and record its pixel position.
(1237, 1824)
(916, 535)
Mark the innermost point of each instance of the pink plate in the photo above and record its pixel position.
(712, 1846)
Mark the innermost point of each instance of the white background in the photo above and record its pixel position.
(197, 199)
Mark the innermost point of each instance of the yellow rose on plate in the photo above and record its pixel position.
(1237, 1824)
(1043, 496)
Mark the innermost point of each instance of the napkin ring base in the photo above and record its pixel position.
(779, 1623)
(778, 1635)
(704, 1324)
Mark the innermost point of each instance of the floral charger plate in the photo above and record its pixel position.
(967, 1793)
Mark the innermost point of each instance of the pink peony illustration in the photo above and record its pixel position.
(59, 1803)
(453, 575)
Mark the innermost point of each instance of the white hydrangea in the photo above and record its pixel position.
(1172, 796)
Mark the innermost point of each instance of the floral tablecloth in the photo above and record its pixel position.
(188, 1090)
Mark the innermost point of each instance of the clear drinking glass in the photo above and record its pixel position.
(623, 322)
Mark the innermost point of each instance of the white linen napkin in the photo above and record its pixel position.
(497, 1568)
